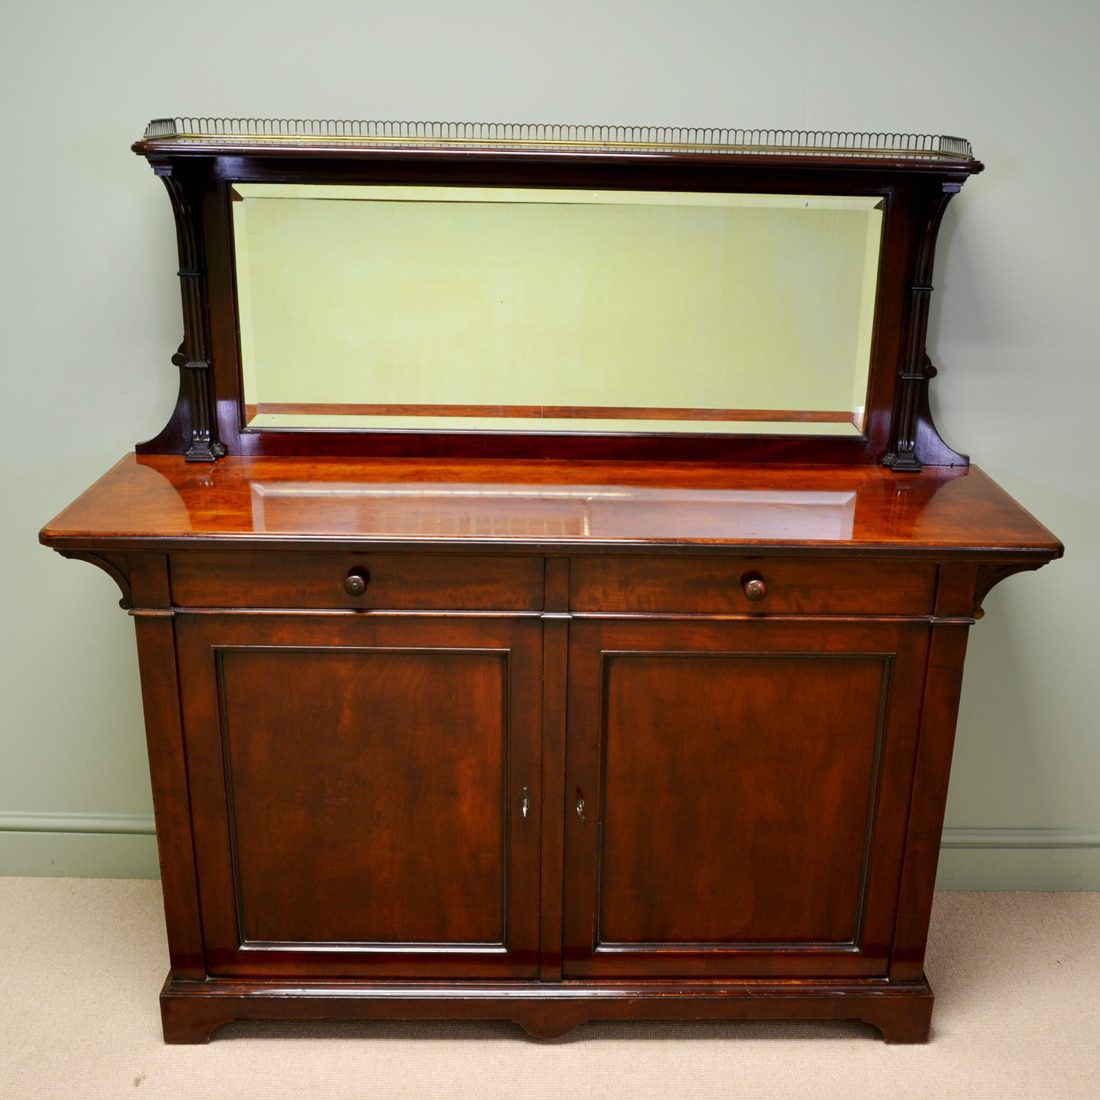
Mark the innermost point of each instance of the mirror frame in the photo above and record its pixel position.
(200, 160)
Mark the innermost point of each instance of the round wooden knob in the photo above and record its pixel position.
(355, 583)
(754, 588)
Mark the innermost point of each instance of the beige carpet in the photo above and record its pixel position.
(1017, 978)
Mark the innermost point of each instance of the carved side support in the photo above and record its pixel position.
(192, 428)
(915, 442)
(116, 566)
(991, 575)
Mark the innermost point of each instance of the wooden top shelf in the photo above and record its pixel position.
(162, 501)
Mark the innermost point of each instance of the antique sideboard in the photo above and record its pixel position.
(551, 590)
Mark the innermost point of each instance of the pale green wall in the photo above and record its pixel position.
(91, 315)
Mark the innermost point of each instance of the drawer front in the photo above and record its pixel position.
(321, 580)
(723, 586)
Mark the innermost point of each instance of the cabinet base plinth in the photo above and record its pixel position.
(193, 1010)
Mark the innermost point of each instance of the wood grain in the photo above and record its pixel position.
(358, 791)
(162, 501)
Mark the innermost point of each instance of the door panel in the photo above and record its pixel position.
(745, 788)
(365, 793)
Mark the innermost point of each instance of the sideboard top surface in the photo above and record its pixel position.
(162, 501)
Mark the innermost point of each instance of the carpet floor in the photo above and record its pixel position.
(1016, 976)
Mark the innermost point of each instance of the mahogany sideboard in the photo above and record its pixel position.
(545, 724)
(548, 742)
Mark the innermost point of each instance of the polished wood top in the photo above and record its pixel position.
(161, 501)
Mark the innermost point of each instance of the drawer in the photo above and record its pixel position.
(716, 586)
(319, 580)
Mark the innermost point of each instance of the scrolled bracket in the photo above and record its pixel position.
(914, 441)
(991, 575)
(116, 567)
(192, 428)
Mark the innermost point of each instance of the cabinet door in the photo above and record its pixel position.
(737, 795)
(365, 792)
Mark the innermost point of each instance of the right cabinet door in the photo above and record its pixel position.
(737, 795)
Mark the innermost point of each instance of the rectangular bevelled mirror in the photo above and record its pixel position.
(551, 310)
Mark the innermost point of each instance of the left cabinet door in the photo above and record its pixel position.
(364, 793)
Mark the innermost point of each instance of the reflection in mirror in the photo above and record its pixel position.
(549, 310)
(601, 512)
